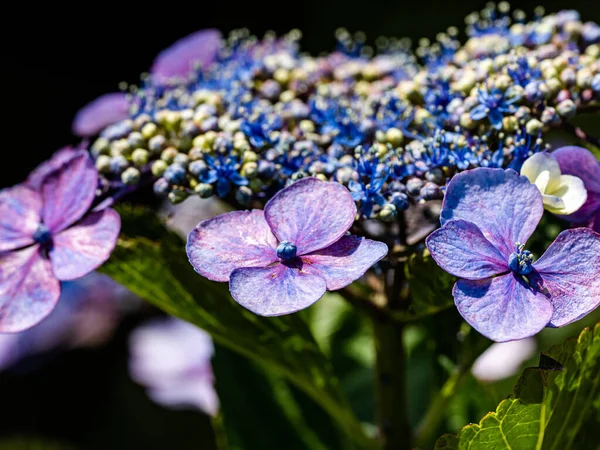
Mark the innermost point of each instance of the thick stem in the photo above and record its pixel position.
(392, 418)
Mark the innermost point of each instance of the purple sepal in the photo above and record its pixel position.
(178, 60)
(504, 308)
(569, 274)
(276, 290)
(505, 206)
(28, 289)
(461, 249)
(59, 158)
(20, 209)
(311, 213)
(106, 110)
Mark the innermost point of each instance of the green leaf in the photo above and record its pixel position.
(430, 287)
(553, 407)
(151, 262)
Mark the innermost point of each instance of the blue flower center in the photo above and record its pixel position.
(286, 251)
(42, 235)
(521, 261)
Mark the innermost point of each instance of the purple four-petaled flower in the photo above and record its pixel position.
(487, 217)
(47, 237)
(284, 259)
(580, 163)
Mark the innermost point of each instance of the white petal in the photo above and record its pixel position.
(535, 165)
(572, 193)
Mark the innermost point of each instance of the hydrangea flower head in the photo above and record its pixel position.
(561, 194)
(284, 258)
(487, 217)
(580, 163)
(47, 237)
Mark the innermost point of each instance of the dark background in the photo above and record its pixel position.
(55, 59)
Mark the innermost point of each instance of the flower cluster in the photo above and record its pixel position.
(256, 115)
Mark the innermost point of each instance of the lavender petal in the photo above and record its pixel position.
(20, 209)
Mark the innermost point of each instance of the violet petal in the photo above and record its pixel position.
(311, 214)
(345, 261)
(68, 193)
(64, 155)
(20, 209)
(218, 246)
(581, 163)
(505, 206)
(275, 290)
(106, 110)
(569, 271)
(178, 60)
(461, 249)
(504, 308)
(28, 289)
(85, 246)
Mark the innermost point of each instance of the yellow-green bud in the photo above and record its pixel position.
(394, 136)
(131, 176)
(388, 213)
(307, 126)
(159, 167)
(249, 156)
(204, 190)
(149, 130)
(249, 170)
(103, 164)
(140, 156)
(168, 154)
(533, 126)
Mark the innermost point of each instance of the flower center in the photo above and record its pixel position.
(286, 250)
(42, 235)
(521, 260)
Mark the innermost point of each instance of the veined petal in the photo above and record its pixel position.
(503, 308)
(572, 195)
(312, 214)
(85, 246)
(345, 261)
(461, 249)
(505, 206)
(28, 289)
(542, 170)
(106, 110)
(68, 193)
(20, 209)
(218, 246)
(570, 274)
(275, 290)
(580, 163)
(178, 60)
(37, 175)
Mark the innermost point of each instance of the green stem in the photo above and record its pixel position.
(219, 432)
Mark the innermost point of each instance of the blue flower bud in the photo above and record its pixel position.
(175, 174)
(400, 201)
(131, 176)
(118, 164)
(204, 190)
(197, 167)
(413, 186)
(243, 195)
(286, 251)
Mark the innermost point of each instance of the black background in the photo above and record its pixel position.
(57, 58)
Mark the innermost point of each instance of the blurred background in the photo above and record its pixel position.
(58, 58)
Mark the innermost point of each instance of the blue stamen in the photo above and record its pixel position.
(42, 235)
(286, 251)
(521, 261)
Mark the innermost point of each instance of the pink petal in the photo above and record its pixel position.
(503, 308)
(100, 113)
(583, 164)
(28, 289)
(345, 261)
(311, 214)
(61, 157)
(275, 290)
(20, 209)
(461, 249)
(506, 207)
(84, 247)
(68, 193)
(179, 59)
(218, 246)
(570, 272)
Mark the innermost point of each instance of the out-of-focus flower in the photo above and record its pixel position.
(171, 358)
(61, 157)
(183, 57)
(86, 316)
(580, 163)
(561, 194)
(503, 359)
(487, 216)
(100, 113)
(284, 259)
(46, 236)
